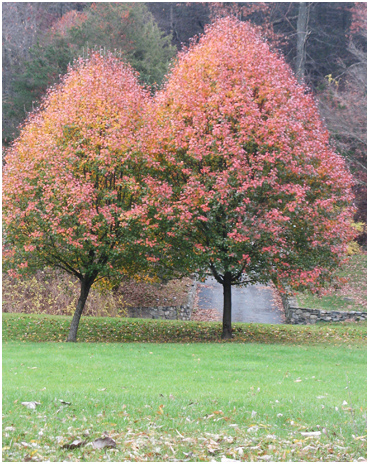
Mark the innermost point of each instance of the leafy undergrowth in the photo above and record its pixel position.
(351, 295)
(171, 402)
(56, 293)
(42, 328)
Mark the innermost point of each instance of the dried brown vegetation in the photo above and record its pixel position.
(54, 293)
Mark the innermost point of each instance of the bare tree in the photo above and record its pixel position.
(343, 104)
(302, 35)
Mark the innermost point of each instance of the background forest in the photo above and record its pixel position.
(325, 43)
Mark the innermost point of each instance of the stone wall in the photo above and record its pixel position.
(296, 315)
(182, 312)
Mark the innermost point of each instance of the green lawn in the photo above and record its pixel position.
(45, 328)
(164, 402)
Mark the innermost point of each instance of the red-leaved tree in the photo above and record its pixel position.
(73, 180)
(249, 184)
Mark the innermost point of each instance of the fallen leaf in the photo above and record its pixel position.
(106, 442)
(311, 434)
(101, 389)
(30, 404)
(64, 402)
(74, 444)
(253, 414)
(309, 448)
(253, 428)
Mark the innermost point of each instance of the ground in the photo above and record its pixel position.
(187, 401)
(349, 295)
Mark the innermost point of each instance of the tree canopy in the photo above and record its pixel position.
(72, 183)
(248, 179)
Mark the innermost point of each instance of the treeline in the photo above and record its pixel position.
(325, 43)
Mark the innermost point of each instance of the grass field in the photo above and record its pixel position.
(45, 328)
(351, 295)
(186, 401)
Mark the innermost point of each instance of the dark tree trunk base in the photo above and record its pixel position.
(85, 289)
(226, 335)
(227, 308)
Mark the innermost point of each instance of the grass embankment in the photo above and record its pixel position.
(44, 328)
(351, 295)
(195, 402)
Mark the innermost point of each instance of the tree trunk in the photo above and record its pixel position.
(302, 33)
(227, 306)
(85, 289)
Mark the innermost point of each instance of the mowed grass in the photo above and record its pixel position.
(45, 328)
(178, 401)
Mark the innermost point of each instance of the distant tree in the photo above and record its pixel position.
(250, 187)
(128, 29)
(302, 35)
(343, 104)
(182, 20)
(73, 181)
(23, 25)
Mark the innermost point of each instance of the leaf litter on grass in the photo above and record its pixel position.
(31, 328)
(155, 443)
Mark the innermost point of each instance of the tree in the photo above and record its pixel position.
(130, 29)
(23, 25)
(248, 182)
(126, 29)
(302, 34)
(343, 105)
(73, 180)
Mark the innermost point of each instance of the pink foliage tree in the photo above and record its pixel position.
(73, 180)
(248, 182)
